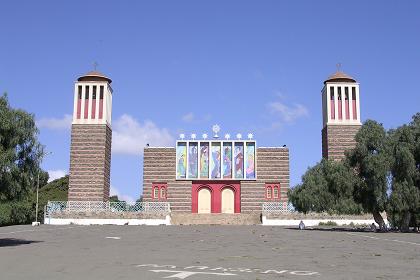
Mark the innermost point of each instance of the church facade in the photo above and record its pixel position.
(209, 175)
(216, 176)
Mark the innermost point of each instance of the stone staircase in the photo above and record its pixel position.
(215, 219)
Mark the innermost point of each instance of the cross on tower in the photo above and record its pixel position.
(95, 65)
(338, 67)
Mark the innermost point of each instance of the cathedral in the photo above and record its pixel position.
(206, 174)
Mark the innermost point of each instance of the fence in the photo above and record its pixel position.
(54, 207)
(277, 207)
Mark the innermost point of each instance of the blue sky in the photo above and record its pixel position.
(182, 66)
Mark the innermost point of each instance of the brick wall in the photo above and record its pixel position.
(159, 167)
(90, 162)
(272, 167)
(336, 139)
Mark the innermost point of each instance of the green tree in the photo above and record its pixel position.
(404, 203)
(114, 198)
(326, 187)
(371, 162)
(23, 211)
(20, 151)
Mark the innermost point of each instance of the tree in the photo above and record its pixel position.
(114, 198)
(404, 203)
(326, 187)
(370, 160)
(20, 151)
(22, 211)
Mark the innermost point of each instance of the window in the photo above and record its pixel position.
(332, 93)
(272, 191)
(346, 91)
(275, 192)
(268, 190)
(94, 92)
(159, 191)
(87, 92)
(156, 192)
(80, 92)
(339, 93)
(101, 92)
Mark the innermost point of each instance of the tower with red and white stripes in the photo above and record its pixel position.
(341, 115)
(91, 135)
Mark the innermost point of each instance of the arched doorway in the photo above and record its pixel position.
(204, 201)
(228, 201)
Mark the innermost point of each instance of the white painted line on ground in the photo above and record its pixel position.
(31, 230)
(384, 239)
(113, 237)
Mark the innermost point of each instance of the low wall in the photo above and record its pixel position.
(166, 220)
(313, 219)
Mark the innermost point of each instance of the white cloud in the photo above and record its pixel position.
(188, 117)
(288, 114)
(55, 124)
(114, 191)
(56, 174)
(192, 118)
(130, 136)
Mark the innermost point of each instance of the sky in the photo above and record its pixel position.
(182, 66)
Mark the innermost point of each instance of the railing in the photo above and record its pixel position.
(54, 207)
(277, 207)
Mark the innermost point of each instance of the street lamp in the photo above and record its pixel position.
(36, 223)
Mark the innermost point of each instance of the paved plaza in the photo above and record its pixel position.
(204, 252)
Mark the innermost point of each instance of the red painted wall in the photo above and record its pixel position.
(340, 110)
(79, 108)
(354, 110)
(216, 188)
(332, 107)
(93, 109)
(101, 108)
(347, 109)
(86, 108)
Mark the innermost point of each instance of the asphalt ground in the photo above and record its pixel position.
(204, 252)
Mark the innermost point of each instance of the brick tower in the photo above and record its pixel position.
(341, 115)
(90, 152)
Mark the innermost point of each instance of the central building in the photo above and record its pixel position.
(216, 176)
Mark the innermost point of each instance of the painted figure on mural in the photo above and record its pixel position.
(250, 170)
(193, 161)
(204, 161)
(250, 162)
(181, 166)
(239, 161)
(227, 162)
(215, 173)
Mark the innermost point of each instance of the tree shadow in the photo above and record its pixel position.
(8, 242)
(337, 229)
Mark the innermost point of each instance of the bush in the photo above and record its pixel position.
(329, 223)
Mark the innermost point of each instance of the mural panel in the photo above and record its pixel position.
(204, 160)
(239, 160)
(181, 159)
(250, 160)
(227, 160)
(193, 160)
(215, 160)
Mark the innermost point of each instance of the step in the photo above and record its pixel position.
(215, 219)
